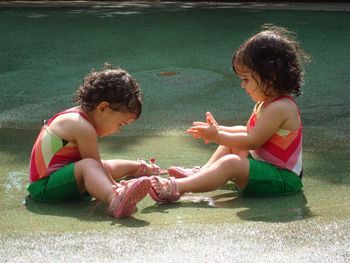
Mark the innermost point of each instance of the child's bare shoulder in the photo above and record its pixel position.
(71, 125)
(284, 105)
(288, 110)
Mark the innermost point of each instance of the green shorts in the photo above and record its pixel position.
(60, 186)
(268, 180)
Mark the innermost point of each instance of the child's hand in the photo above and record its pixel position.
(210, 120)
(199, 123)
(205, 130)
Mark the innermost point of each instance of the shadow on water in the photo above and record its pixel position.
(269, 209)
(274, 209)
(277, 209)
(84, 210)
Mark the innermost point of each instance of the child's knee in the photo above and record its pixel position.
(228, 163)
(86, 164)
(237, 167)
(231, 160)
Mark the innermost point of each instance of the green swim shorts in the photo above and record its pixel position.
(60, 186)
(268, 180)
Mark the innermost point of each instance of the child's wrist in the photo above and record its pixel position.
(217, 136)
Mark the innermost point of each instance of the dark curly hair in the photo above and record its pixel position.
(276, 57)
(114, 86)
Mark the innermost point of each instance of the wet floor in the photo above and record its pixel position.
(184, 70)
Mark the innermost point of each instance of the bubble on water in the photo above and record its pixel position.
(118, 13)
(37, 16)
(14, 181)
(198, 199)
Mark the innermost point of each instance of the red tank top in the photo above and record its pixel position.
(51, 152)
(284, 148)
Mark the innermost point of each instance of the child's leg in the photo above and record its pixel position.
(122, 198)
(181, 172)
(222, 151)
(219, 152)
(120, 168)
(91, 177)
(229, 167)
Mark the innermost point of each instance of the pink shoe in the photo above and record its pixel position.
(180, 172)
(127, 195)
(168, 190)
(155, 168)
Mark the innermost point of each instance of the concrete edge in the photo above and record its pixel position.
(312, 6)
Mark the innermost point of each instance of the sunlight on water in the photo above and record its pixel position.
(199, 199)
(37, 16)
(181, 57)
(14, 182)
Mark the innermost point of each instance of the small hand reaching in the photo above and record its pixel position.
(205, 130)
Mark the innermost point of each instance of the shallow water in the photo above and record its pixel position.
(46, 53)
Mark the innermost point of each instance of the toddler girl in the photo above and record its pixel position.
(264, 157)
(65, 161)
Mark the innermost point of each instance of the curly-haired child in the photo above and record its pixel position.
(264, 157)
(65, 160)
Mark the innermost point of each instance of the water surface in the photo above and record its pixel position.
(181, 58)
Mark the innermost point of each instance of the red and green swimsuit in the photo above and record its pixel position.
(51, 152)
(283, 149)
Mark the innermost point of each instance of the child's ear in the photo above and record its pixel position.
(102, 106)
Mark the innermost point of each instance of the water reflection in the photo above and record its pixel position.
(47, 63)
(86, 209)
(275, 209)
(268, 209)
(14, 182)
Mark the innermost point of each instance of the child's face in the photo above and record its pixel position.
(251, 84)
(108, 121)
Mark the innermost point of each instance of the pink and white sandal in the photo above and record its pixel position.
(142, 170)
(168, 190)
(181, 172)
(127, 195)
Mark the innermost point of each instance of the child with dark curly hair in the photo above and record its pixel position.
(263, 158)
(65, 161)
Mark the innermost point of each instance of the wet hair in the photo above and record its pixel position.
(114, 86)
(276, 57)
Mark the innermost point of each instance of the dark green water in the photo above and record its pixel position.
(45, 52)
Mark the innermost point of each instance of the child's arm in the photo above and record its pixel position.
(233, 129)
(75, 129)
(85, 136)
(269, 122)
(200, 130)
